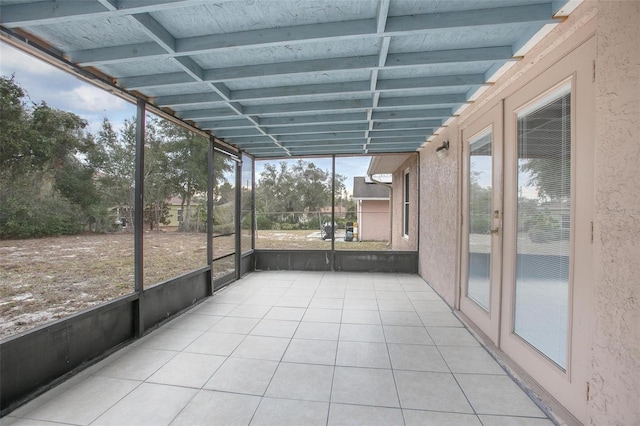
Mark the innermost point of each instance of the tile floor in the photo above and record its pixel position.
(297, 348)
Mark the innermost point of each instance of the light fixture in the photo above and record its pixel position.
(443, 149)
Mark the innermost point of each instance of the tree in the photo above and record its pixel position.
(46, 181)
(290, 190)
(157, 176)
(479, 205)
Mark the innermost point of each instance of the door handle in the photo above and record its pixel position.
(495, 231)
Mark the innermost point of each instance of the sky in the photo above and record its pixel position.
(61, 90)
(43, 82)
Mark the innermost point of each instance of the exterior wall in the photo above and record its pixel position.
(399, 241)
(614, 317)
(439, 198)
(615, 383)
(374, 222)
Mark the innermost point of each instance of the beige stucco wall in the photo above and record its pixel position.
(615, 330)
(374, 223)
(399, 241)
(615, 386)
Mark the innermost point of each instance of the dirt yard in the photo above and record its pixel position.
(50, 278)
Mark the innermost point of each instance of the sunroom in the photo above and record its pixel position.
(507, 135)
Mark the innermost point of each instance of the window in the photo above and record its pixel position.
(405, 211)
(544, 221)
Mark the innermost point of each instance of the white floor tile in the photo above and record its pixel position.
(382, 355)
(407, 334)
(360, 317)
(149, 404)
(417, 358)
(452, 336)
(311, 351)
(218, 408)
(362, 333)
(213, 307)
(322, 315)
(360, 415)
(293, 302)
(187, 369)
(85, 402)
(215, 343)
(317, 330)
(286, 412)
(439, 319)
(430, 391)
(249, 311)
(301, 381)
(497, 395)
(400, 318)
(284, 313)
(470, 360)
(434, 418)
(171, 339)
(364, 386)
(326, 303)
(238, 375)
(194, 321)
(262, 347)
(235, 325)
(361, 304)
(275, 328)
(363, 354)
(137, 364)
(513, 421)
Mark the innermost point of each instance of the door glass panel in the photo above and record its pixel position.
(544, 218)
(480, 195)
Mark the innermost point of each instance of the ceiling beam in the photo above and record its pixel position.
(318, 128)
(54, 11)
(303, 120)
(311, 90)
(484, 54)
(394, 26)
(296, 108)
(321, 137)
(399, 125)
(411, 114)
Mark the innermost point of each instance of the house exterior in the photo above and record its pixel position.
(553, 284)
(372, 207)
(404, 197)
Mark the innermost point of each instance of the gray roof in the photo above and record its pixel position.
(365, 190)
(289, 77)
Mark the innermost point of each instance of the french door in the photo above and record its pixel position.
(526, 278)
(482, 222)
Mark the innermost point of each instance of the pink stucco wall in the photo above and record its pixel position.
(439, 197)
(374, 223)
(614, 320)
(399, 240)
(615, 384)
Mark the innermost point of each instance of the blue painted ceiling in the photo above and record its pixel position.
(280, 78)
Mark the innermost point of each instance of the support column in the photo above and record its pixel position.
(210, 171)
(333, 211)
(138, 208)
(238, 214)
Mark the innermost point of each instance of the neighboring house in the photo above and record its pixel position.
(372, 207)
(177, 213)
(404, 197)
